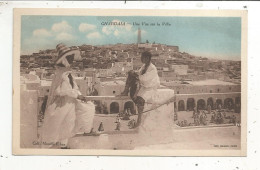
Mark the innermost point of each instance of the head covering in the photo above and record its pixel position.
(64, 51)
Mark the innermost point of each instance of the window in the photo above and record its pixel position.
(178, 92)
(218, 90)
(210, 91)
(114, 92)
(229, 88)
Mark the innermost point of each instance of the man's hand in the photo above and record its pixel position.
(81, 97)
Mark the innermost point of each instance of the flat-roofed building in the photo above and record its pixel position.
(180, 69)
(200, 94)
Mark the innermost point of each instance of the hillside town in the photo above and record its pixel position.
(116, 60)
(103, 71)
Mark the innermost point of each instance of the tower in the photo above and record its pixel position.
(139, 36)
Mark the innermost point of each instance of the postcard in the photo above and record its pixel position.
(130, 82)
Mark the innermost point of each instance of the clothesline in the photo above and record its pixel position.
(159, 105)
(127, 97)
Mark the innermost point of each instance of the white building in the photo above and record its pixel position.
(122, 67)
(144, 45)
(85, 85)
(31, 81)
(180, 69)
(104, 72)
(114, 88)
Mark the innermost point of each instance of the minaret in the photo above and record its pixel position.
(139, 36)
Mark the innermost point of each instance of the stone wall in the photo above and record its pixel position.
(28, 118)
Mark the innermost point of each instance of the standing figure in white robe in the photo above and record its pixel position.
(66, 113)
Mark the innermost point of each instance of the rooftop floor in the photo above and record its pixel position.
(203, 137)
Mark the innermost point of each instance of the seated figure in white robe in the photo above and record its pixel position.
(154, 126)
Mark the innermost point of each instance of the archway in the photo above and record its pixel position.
(181, 105)
(131, 106)
(190, 104)
(228, 103)
(201, 104)
(237, 105)
(210, 102)
(218, 103)
(237, 100)
(114, 107)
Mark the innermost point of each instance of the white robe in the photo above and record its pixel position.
(149, 82)
(157, 125)
(65, 115)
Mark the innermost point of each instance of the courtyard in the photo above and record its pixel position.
(210, 136)
(109, 120)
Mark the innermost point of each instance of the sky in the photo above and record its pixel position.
(212, 37)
